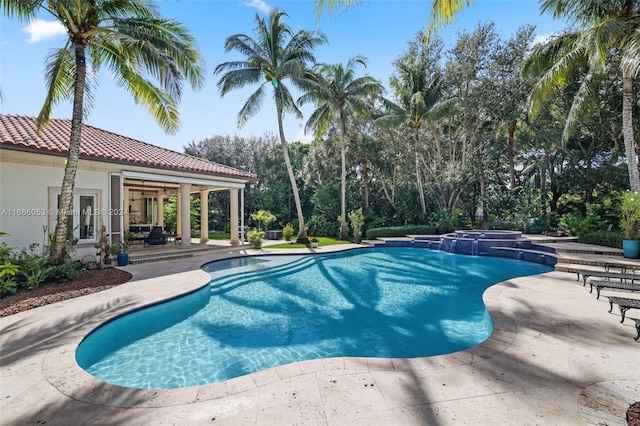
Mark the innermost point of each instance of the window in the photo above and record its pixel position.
(84, 216)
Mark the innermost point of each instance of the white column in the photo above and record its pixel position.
(233, 216)
(160, 208)
(125, 209)
(178, 216)
(185, 211)
(242, 233)
(204, 216)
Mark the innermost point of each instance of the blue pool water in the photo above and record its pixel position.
(265, 311)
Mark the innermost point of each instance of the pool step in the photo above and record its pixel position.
(172, 254)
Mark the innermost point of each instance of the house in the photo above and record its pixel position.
(120, 182)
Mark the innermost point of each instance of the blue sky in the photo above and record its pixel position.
(376, 29)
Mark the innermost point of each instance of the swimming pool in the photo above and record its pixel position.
(264, 311)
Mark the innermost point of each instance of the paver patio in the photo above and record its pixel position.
(556, 357)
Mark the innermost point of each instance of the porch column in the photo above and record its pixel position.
(160, 208)
(125, 209)
(178, 215)
(204, 216)
(242, 233)
(233, 216)
(185, 210)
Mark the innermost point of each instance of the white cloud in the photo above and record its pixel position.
(542, 39)
(39, 30)
(260, 5)
(302, 136)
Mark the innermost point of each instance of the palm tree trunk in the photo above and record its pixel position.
(419, 175)
(287, 161)
(65, 206)
(543, 182)
(627, 131)
(343, 181)
(365, 183)
(512, 168)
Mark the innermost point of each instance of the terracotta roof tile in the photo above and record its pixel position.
(21, 131)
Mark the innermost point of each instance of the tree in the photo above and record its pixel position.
(417, 86)
(607, 28)
(276, 55)
(338, 94)
(136, 43)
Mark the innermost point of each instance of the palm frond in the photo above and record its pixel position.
(25, 10)
(556, 76)
(443, 12)
(585, 90)
(59, 77)
(237, 78)
(162, 107)
(251, 106)
(331, 6)
(631, 55)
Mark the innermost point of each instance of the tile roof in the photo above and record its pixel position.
(17, 131)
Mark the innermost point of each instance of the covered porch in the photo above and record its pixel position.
(139, 199)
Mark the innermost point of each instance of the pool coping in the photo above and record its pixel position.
(62, 371)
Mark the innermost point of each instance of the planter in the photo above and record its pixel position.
(631, 249)
(314, 244)
(123, 259)
(357, 240)
(274, 235)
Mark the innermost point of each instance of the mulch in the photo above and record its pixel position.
(91, 281)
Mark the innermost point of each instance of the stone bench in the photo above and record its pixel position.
(599, 285)
(624, 304)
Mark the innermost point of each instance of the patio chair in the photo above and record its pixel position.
(156, 237)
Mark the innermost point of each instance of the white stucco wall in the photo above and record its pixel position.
(25, 198)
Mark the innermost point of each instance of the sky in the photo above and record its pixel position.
(379, 30)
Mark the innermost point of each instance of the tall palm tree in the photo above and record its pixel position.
(276, 55)
(419, 104)
(607, 28)
(136, 43)
(338, 94)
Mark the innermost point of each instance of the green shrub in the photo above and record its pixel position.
(602, 238)
(255, 238)
(401, 231)
(319, 225)
(444, 221)
(67, 271)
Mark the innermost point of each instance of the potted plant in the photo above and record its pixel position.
(314, 242)
(357, 220)
(287, 232)
(123, 250)
(629, 223)
(255, 238)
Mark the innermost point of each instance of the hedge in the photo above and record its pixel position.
(603, 238)
(401, 231)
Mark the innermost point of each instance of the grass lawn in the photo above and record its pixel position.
(322, 241)
(219, 236)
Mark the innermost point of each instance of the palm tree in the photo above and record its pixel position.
(608, 28)
(338, 94)
(135, 42)
(419, 104)
(274, 56)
